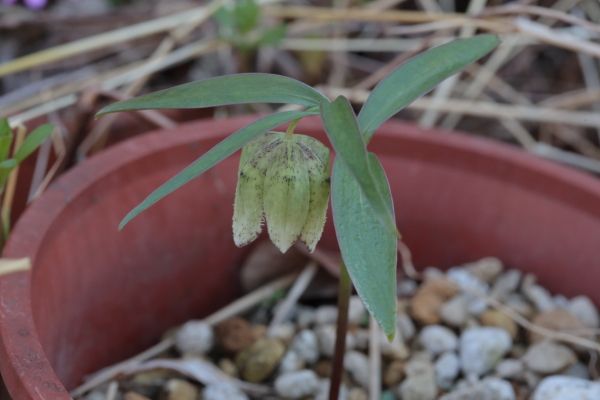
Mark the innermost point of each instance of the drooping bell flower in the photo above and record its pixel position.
(282, 179)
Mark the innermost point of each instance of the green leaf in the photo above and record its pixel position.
(218, 153)
(224, 90)
(5, 167)
(272, 36)
(342, 130)
(368, 249)
(418, 76)
(6, 138)
(33, 140)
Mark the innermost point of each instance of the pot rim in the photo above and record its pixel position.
(27, 368)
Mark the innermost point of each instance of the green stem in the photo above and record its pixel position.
(292, 126)
(344, 292)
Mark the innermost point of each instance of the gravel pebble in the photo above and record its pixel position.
(357, 365)
(297, 384)
(220, 391)
(194, 337)
(481, 349)
(566, 388)
(455, 311)
(438, 339)
(548, 357)
(583, 308)
(357, 313)
(447, 368)
(306, 345)
(510, 368)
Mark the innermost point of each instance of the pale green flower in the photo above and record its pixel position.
(283, 179)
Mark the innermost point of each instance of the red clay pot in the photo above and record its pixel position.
(95, 295)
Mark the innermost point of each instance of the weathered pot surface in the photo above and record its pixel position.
(94, 295)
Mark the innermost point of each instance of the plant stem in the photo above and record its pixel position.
(344, 291)
(292, 126)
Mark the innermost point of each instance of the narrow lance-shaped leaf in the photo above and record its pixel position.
(418, 76)
(6, 137)
(368, 249)
(218, 153)
(224, 90)
(342, 130)
(33, 140)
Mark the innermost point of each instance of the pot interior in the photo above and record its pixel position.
(99, 295)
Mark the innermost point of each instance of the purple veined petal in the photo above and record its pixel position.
(36, 4)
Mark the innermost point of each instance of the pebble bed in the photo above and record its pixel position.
(452, 344)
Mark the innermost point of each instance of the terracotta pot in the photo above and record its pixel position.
(95, 295)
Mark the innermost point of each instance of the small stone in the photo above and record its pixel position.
(394, 373)
(325, 315)
(486, 269)
(323, 368)
(432, 273)
(357, 365)
(357, 313)
(194, 337)
(357, 394)
(222, 390)
(531, 378)
(426, 303)
(560, 301)
(566, 388)
(306, 345)
(420, 381)
(406, 288)
(481, 349)
(548, 357)
(455, 312)
(506, 284)
(258, 361)
(323, 391)
(396, 349)
(284, 332)
(583, 308)
(473, 289)
(133, 396)
(326, 338)
(437, 339)
(291, 362)
(447, 368)
(510, 368)
(487, 389)
(578, 370)
(297, 385)
(178, 389)
(539, 296)
(228, 367)
(361, 339)
(234, 335)
(406, 327)
(557, 320)
(305, 317)
(500, 320)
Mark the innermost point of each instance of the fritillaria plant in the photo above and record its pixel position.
(283, 177)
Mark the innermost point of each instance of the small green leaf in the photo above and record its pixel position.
(6, 138)
(218, 153)
(224, 90)
(368, 249)
(33, 140)
(342, 130)
(418, 76)
(5, 167)
(272, 36)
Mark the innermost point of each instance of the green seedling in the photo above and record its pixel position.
(9, 161)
